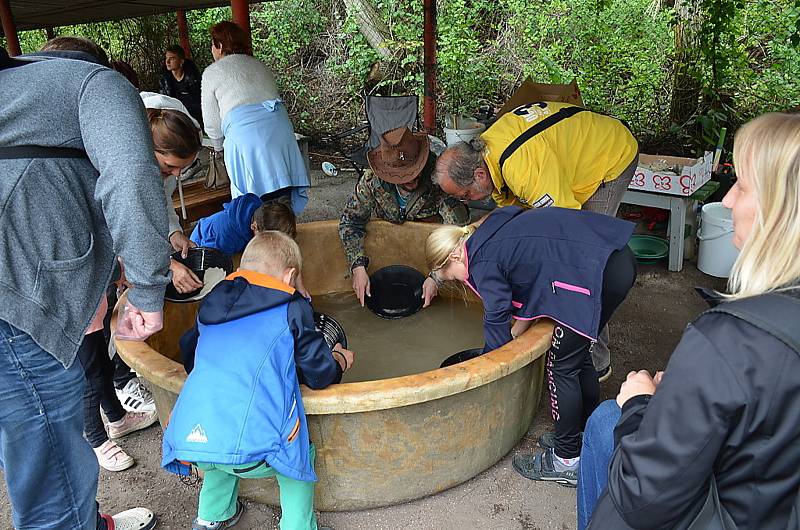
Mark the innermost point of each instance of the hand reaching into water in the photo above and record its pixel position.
(361, 284)
(344, 357)
(429, 291)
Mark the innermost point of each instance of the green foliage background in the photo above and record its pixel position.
(621, 52)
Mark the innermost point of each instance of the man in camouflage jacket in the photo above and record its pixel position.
(399, 188)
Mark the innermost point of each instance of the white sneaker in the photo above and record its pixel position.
(110, 456)
(135, 397)
(134, 519)
(132, 421)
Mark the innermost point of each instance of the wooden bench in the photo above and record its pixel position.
(199, 201)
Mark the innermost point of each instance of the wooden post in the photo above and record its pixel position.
(50, 32)
(9, 29)
(183, 32)
(241, 15)
(429, 91)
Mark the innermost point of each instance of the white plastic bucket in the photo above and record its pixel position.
(717, 253)
(453, 136)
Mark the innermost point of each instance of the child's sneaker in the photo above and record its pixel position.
(135, 397)
(111, 457)
(541, 467)
(133, 519)
(199, 524)
(132, 421)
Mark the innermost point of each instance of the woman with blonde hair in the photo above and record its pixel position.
(714, 436)
(571, 266)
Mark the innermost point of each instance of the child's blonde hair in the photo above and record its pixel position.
(767, 149)
(271, 252)
(442, 242)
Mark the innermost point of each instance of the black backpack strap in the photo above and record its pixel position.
(37, 151)
(540, 126)
(775, 313)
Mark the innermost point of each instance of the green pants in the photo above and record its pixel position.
(221, 489)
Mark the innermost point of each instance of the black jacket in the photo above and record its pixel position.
(729, 403)
(187, 91)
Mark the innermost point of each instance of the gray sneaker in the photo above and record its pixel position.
(219, 525)
(540, 467)
(548, 440)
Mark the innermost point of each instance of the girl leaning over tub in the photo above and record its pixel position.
(571, 266)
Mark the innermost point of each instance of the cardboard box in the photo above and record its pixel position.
(691, 174)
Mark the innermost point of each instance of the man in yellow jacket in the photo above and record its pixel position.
(546, 154)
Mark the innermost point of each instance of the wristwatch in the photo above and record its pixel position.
(361, 261)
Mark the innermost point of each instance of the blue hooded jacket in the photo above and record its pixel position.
(241, 403)
(544, 262)
(229, 230)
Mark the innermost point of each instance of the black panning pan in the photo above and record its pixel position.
(198, 259)
(462, 356)
(330, 329)
(396, 291)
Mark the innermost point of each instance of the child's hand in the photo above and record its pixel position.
(361, 284)
(344, 357)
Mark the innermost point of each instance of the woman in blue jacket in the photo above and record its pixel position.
(571, 266)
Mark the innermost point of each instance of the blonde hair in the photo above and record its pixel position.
(271, 252)
(442, 242)
(767, 150)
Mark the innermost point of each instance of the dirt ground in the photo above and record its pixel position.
(644, 331)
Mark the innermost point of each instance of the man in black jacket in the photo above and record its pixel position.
(181, 80)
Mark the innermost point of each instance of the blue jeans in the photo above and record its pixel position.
(596, 452)
(50, 470)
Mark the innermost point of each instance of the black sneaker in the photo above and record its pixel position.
(540, 467)
(604, 374)
(548, 440)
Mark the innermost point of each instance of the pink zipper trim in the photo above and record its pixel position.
(570, 287)
(556, 320)
(518, 305)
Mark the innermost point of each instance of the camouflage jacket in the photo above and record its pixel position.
(372, 195)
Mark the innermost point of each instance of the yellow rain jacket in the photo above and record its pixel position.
(561, 166)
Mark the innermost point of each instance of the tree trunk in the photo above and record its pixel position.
(370, 25)
(686, 83)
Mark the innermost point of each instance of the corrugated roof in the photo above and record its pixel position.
(31, 14)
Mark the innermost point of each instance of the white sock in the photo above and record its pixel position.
(204, 522)
(565, 464)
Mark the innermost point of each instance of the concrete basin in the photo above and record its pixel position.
(387, 441)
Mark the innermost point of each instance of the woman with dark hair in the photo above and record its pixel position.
(244, 114)
(176, 139)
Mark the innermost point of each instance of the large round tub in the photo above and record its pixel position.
(392, 440)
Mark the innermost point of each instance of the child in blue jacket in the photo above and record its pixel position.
(230, 230)
(571, 266)
(240, 413)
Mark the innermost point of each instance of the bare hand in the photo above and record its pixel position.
(135, 324)
(361, 284)
(429, 291)
(181, 243)
(519, 327)
(184, 280)
(344, 357)
(658, 377)
(637, 384)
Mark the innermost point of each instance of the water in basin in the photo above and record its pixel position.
(418, 343)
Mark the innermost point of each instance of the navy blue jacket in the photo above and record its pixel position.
(229, 230)
(241, 403)
(543, 262)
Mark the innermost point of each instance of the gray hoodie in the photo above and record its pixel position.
(62, 220)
